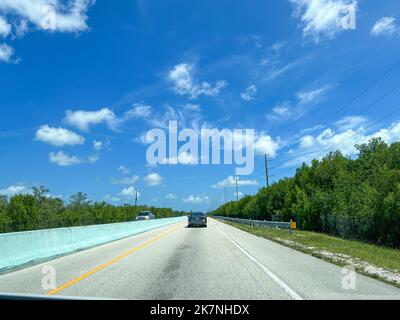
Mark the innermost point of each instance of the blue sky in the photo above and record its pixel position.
(76, 101)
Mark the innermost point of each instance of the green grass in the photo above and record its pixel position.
(313, 243)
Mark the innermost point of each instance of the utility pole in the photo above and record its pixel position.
(225, 194)
(136, 197)
(266, 171)
(237, 190)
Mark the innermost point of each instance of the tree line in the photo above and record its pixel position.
(36, 211)
(353, 198)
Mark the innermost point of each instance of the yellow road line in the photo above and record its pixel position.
(107, 264)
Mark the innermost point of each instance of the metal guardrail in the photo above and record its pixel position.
(259, 223)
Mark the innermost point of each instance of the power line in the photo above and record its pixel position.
(383, 75)
(395, 88)
(352, 136)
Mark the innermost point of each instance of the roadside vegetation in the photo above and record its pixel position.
(349, 198)
(37, 211)
(376, 261)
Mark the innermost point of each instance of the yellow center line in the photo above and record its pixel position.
(115, 260)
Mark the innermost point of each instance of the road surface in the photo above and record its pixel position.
(220, 262)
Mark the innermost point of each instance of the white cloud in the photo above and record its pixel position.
(265, 144)
(384, 26)
(153, 179)
(124, 170)
(139, 111)
(112, 198)
(58, 136)
(278, 70)
(171, 196)
(45, 15)
(21, 28)
(187, 116)
(183, 158)
(196, 199)
(230, 182)
(13, 190)
(249, 93)
(184, 83)
(305, 99)
(127, 180)
(5, 27)
(98, 145)
(239, 195)
(62, 159)
(93, 158)
(322, 18)
(349, 122)
(306, 142)
(129, 192)
(6, 53)
(70, 15)
(282, 110)
(83, 120)
(328, 140)
(312, 96)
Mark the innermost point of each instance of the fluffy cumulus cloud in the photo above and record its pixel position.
(153, 179)
(139, 110)
(265, 145)
(323, 18)
(83, 120)
(129, 192)
(332, 139)
(230, 182)
(184, 83)
(63, 159)
(196, 199)
(5, 27)
(124, 170)
(183, 158)
(13, 190)
(58, 136)
(6, 53)
(171, 196)
(112, 198)
(249, 93)
(98, 145)
(17, 17)
(384, 26)
(93, 158)
(70, 15)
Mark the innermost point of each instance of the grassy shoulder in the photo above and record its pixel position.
(372, 260)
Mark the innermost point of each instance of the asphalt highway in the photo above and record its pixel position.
(215, 263)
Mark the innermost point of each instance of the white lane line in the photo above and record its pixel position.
(269, 273)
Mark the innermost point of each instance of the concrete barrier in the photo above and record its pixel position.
(21, 248)
(259, 223)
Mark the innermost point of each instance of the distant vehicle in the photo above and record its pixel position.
(197, 219)
(145, 215)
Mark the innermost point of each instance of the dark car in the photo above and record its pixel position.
(197, 219)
